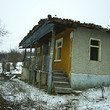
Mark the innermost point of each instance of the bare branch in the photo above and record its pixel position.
(3, 31)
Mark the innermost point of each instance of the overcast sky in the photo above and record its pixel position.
(19, 16)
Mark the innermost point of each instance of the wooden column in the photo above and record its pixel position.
(39, 72)
(35, 72)
(36, 63)
(30, 54)
(24, 56)
(35, 54)
(30, 66)
(50, 62)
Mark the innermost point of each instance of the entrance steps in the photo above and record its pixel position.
(61, 83)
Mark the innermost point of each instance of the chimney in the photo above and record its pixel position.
(49, 16)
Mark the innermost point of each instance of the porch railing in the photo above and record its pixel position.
(37, 63)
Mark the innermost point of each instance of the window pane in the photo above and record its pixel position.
(94, 53)
(95, 42)
(58, 53)
(58, 44)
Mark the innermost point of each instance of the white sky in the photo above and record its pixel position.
(19, 16)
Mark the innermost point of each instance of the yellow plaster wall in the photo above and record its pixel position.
(65, 63)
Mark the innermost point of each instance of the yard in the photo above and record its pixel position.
(18, 95)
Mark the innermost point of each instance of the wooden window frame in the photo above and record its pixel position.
(57, 47)
(95, 46)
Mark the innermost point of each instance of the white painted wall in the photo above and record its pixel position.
(81, 81)
(87, 73)
(81, 62)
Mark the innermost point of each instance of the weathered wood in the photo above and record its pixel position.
(43, 71)
(35, 74)
(43, 63)
(39, 72)
(24, 56)
(37, 58)
(50, 62)
(30, 55)
(35, 66)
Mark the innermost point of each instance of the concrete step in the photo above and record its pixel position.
(61, 84)
(56, 78)
(62, 90)
(58, 71)
(60, 74)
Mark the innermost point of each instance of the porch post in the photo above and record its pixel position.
(50, 62)
(30, 54)
(24, 57)
(30, 66)
(35, 55)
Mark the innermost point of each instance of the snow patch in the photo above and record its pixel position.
(19, 91)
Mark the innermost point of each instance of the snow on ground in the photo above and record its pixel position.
(18, 69)
(1, 68)
(18, 91)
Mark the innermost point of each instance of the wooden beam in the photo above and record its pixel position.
(50, 62)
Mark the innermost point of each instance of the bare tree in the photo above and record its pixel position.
(3, 56)
(3, 31)
(14, 56)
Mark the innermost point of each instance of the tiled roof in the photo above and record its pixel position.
(66, 22)
(72, 23)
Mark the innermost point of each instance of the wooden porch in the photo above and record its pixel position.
(38, 76)
(39, 68)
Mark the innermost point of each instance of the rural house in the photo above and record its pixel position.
(68, 55)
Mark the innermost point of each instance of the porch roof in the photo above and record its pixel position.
(35, 35)
(46, 26)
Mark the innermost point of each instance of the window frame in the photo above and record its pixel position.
(94, 46)
(56, 48)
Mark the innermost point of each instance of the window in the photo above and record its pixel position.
(59, 44)
(95, 49)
